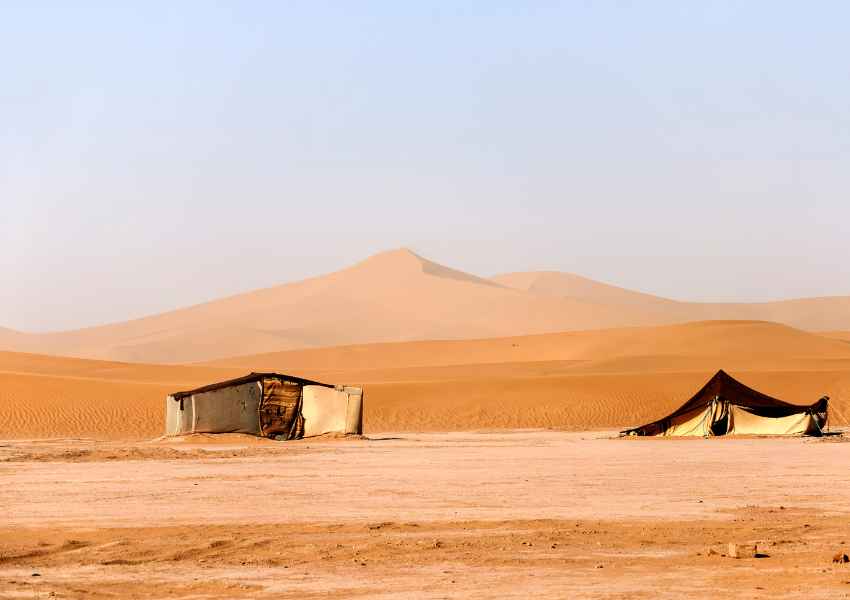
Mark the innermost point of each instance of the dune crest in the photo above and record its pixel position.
(558, 284)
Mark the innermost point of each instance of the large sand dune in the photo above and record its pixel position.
(575, 380)
(399, 296)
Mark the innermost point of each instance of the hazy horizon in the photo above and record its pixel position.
(155, 156)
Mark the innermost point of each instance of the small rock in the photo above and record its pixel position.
(711, 552)
(840, 558)
(742, 550)
(36, 575)
(438, 544)
(600, 566)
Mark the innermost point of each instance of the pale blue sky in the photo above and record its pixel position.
(158, 154)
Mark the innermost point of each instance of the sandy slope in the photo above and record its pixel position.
(391, 296)
(844, 336)
(555, 283)
(746, 343)
(47, 396)
(9, 338)
(578, 380)
(806, 313)
(399, 296)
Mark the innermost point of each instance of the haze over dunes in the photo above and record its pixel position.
(576, 380)
(400, 296)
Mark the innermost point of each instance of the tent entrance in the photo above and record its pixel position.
(280, 409)
(720, 412)
(710, 420)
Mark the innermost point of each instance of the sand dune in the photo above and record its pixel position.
(557, 284)
(47, 396)
(391, 296)
(744, 343)
(10, 338)
(812, 314)
(844, 336)
(399, 296)
(575, 380)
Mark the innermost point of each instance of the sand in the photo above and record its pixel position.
(838, 335)
(573, 381)
(456, 490)
(507, 515)
(399, 296)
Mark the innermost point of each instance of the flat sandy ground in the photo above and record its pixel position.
(475, 515)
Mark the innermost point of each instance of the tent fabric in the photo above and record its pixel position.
(251, 377)
(221, 410)
(332, 411)
(281, 411)
(744, 422)
(724, 406)
(266, 404)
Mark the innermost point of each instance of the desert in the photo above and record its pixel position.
(488, 467)
(424, 300)
(435, 515)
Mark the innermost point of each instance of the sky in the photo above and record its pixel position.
(159, 154)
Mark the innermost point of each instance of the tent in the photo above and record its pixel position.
(725, 406)
(266, 404)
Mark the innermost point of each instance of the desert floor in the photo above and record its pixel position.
(479, 515)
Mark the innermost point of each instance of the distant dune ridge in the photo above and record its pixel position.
(400, 296)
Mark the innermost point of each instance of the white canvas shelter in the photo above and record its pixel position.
(266, 404)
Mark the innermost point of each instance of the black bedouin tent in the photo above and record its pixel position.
(726, 406)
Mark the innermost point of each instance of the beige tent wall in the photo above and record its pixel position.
(696, 423)
(329, 410)
(178, 421)
(227, 410)
(354, 414)
(743, 422)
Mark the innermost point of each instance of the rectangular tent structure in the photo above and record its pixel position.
(725, 406)
(270, 405)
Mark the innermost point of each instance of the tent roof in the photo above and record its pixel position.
(247, 379)
(736, 393)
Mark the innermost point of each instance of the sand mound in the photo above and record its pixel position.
(553, 283)
(576, 380)
(400, 296)
(48, 396)
(844, 336)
